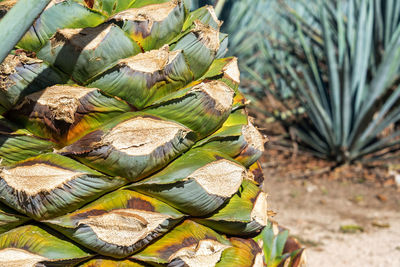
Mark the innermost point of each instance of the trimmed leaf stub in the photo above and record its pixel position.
(59, 14)
(199, 46)
(85, 53)
(211, 103)
(66, 113)
(189, 244)
(132, 146)
(206, 15)
(197, 183)
(237, 138)
(21, 75)
(152, 25)
(51, 185)
(142, 79)
(119, 223)
(244, 214)
(31, 245)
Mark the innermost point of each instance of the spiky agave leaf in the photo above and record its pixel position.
(26, 12)
(347, 86)
(279, 249)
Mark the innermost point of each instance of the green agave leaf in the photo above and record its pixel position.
(153, 25)
(17, 21)
(188, 244)
(197, 183)
(211, 103)
(237, 138)
(10, 219)
(58, 15)
(118, 224)
(225, 67)
(85, 53)
(31, 245)
(279, 250)
(22, 76)
(107, 7)
(133, 145)
(206, 15)
(100, 262)
(141, 3)
(146, 77)
(5, 6)
(50, 185)
(18, 147)
(227, 71)
(245, 213)
(199, 45)
(244, 253)
(298, 258)
(223, 46)
(66, 113)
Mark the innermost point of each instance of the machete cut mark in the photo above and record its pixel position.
(220, 92)
(207, 35)
(259, 211)
(231, 71)
(36, 178)
(222, 178)
(88, 38)
(8, 68)
(152, 61)
(155, 12)
(204, 254)
(62, 101)
(14, 257)
(253, 137)
(141, 136)
(124, 227)
(213, 15)
(146, 15)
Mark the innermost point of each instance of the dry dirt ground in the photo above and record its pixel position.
(315, 207)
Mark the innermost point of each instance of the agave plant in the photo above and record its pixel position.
(280, 249)
(125, 141)
(342, 66)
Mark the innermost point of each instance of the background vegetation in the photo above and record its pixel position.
(333, 66)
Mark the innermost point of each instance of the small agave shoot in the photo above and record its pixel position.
(341, 62)
(125, 141)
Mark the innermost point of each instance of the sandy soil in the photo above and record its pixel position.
(315, 209)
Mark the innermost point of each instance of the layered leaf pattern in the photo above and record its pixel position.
(124, 141)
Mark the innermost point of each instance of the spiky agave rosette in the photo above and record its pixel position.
(125, 141)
